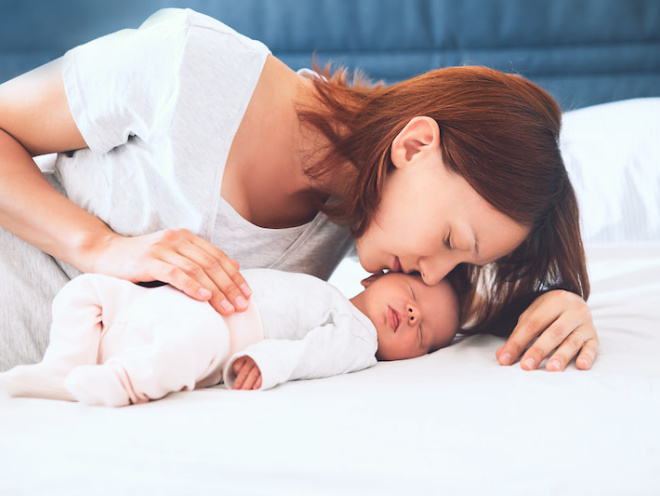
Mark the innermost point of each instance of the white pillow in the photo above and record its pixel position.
(612, 153)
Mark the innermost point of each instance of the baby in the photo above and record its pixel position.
(115, 343)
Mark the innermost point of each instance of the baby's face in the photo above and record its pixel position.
(411, 318)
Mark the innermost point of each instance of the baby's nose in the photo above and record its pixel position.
(412, 314)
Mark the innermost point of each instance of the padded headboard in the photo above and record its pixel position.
(583, 51)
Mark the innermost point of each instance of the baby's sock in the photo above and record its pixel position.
(40, 380)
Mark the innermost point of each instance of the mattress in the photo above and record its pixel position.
(452, 422)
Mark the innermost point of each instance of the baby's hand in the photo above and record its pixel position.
(248, 375)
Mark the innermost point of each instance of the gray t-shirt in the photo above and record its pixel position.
(159, 108)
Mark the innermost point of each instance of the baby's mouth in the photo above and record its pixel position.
(393, 318)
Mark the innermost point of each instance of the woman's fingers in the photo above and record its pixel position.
(552, 335)
(574, 344)
(588, 354)
(557, 320)
(184, 260)
(210, 268)
(530, 324)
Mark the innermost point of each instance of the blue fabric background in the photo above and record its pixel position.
(583, 51)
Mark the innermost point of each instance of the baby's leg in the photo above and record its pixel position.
(74, 340)
(98, 385)
(176, 359)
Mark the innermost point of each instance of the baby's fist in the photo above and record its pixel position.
(248, 375)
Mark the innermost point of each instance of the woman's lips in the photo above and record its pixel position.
(396, 265)
(393, 318)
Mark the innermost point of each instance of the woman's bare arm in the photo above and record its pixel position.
(35, 119)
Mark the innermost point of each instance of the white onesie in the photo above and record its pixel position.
(116, 343)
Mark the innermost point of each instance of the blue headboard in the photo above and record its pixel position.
(583, 51)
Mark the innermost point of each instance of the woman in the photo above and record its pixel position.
(184, 146)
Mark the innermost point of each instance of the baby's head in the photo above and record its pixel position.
(411, 318)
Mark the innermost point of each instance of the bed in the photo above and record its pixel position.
(453, 422)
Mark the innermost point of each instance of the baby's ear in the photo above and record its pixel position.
(367, 282)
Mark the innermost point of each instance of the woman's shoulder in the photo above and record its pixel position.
(166, 33)
(178, 20)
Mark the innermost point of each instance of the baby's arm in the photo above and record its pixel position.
(331, 349)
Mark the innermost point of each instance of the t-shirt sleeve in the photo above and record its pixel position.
(123, 84)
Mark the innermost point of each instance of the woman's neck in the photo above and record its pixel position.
(265, 179)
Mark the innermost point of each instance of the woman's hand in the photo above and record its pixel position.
(248, 375)
(180, 258)
(562, 322)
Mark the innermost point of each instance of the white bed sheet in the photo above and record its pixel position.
(453, 422)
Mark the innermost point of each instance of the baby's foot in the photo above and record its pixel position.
(40, 380)
(96, 385)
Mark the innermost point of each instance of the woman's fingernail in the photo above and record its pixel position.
(530, 363)
(246, 289)
(226, 306)
(240, 302)
(506, 359)
(554, 365)
(204, 293)
(582, 363)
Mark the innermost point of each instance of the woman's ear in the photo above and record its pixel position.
(419, 135)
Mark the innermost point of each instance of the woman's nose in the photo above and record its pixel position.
(433, 270)
(412, 314)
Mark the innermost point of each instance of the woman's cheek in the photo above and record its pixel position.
(368, 261)
(364, 250)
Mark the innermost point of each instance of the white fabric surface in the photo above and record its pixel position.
(453, 422)
(612, 153)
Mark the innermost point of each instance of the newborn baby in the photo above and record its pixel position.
(115, 343)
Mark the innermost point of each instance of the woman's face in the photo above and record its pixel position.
(430, 219)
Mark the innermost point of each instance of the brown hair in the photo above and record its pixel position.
(500, 132)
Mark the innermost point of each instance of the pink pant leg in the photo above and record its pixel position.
(185, 341)
(74, 340)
